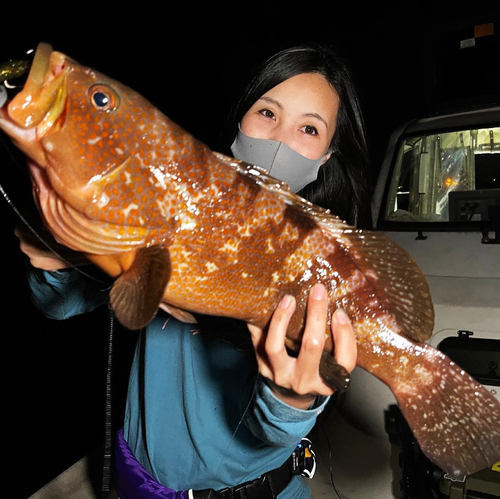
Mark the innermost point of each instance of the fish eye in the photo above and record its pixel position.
(103, 98)
(100, 99)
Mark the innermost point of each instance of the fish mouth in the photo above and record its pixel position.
(41, 103)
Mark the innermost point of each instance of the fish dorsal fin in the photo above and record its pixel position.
(400, 280)
(393, 273)
(255, 172)
(388, 267)
(137, 293)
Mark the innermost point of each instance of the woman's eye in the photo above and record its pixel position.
(267, 113)
(310, 130)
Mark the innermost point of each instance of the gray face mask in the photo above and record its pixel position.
(281, 161)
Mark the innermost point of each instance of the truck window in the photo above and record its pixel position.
(452, 176)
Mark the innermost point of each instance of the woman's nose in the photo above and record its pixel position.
(283, 135)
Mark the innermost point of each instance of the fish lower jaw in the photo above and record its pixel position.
(25, 139)
(45, 179)
(40, 179)
(71, 226)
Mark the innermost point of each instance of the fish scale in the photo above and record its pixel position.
(192, 231)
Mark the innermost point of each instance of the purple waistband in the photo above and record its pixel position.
(132, 481)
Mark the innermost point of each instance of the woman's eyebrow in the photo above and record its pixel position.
(272, 101)
(317, 116)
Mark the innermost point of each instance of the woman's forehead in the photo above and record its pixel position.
(307, 94)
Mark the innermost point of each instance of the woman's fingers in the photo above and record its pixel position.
(270, 347)
(275, 340)
(313, 340)
(344, 340)
(296, 379)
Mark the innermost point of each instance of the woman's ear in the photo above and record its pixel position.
(326, 157)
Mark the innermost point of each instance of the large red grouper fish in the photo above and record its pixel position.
(193, 231)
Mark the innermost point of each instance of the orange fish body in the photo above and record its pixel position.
(193, 231)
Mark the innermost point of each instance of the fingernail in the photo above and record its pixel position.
(341, 316)
(286, 301)
(318, 292)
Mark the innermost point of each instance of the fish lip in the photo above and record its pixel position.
(42, 102)
(39, 67)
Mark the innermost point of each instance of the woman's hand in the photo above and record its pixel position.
(296, 381)
(41, 257)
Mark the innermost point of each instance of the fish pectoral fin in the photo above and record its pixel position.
(333, 374)
(136, 295)
(178, 313)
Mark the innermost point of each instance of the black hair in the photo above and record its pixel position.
(344, 181)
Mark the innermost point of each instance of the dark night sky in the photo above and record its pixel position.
(191, 64)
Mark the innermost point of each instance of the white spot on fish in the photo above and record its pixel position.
(131, 206)
(211, 267)
(244, 231)
(93, 142)
(350, 285)
(185, 255)
(230, 246)
(289, 233)
(305, 277)
(424, 375)
(160, 177)
(103, 201)
(188, 225)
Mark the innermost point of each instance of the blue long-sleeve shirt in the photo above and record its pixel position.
(198, 415)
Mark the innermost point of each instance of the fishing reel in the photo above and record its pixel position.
(13, 74)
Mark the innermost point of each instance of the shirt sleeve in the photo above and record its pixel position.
(276, 423)
(63, 294)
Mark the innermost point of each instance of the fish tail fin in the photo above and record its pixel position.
(455, 420)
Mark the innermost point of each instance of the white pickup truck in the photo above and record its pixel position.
(438, 195)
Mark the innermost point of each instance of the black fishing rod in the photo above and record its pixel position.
(13, 70)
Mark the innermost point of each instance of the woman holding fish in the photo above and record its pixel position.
(213, 418)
